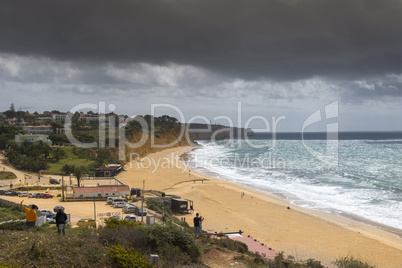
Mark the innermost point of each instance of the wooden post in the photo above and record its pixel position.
(142, 203)
(62, 187)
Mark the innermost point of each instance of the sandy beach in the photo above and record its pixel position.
(298, 232)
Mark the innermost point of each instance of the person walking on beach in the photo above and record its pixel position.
(196, 221)
(31, 215)
(61, 219)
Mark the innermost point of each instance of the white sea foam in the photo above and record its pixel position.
(365, 183)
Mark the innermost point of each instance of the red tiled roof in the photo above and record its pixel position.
(101, 189)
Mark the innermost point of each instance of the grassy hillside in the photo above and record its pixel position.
(70, 159)
(126, 244)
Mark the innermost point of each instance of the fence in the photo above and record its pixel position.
(9, 204)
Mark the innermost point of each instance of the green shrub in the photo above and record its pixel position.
(174, 245)
(162, 237)
(123, 258)
(350, 262)
(115, 223)
(154, 205)
(14, 226)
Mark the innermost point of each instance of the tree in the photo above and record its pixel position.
(58, 154)
(78, 172)
(12, 107)
(68, 169)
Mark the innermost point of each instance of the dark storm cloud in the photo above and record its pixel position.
(248, 39)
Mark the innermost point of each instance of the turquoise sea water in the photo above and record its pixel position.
(356, 175)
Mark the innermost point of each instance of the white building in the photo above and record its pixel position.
(20, 138)
(101, 191)
(59, 117)
(38, 129)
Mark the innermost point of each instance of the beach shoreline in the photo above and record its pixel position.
(300, 232)
(205, 172)
(297, 231)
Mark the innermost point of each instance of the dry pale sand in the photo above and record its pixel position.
(296, 231)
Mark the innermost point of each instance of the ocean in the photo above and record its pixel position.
(356, 175)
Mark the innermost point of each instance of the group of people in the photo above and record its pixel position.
(31, 216)
(61, 218)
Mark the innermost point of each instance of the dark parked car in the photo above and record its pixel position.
(39, 195)
(140, 211)
(54, 181)
(12, 193)
(51, 218)
(47, 196)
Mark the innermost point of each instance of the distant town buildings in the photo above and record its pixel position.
(59, 117)
(38, 129)
(20, 138)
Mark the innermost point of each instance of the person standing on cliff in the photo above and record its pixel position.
(196, 221)
(61, 219)
(30, 215)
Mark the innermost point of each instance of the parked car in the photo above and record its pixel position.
(39, 195)
(47, 196)
(140, 211)
(2, 192)
(129, 209)
(54, 181)
(23, 194)
(51, 218)
(31, 195)
(12, 193)
(118, 204)
(131, 218)
(117, 217)
(45, 212)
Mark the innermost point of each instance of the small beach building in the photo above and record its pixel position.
(108, 170)
(136, 192)
(179, 205)
(101, 191)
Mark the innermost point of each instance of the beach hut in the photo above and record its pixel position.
(135, 192)
(179, 205)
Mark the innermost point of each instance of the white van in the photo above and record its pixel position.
(109, 200)
(115, 200)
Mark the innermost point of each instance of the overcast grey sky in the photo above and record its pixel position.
(277, 58)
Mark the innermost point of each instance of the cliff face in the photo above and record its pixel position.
(179, 136)
(217, 132)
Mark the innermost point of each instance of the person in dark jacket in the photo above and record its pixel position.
(61, 219)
